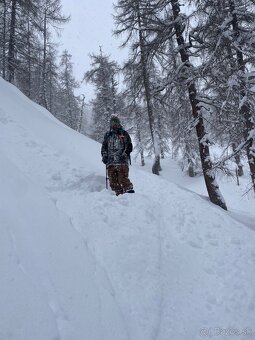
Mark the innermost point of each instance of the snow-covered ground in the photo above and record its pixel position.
(240, 198)
(78, 263)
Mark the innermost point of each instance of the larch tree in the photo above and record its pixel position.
(29, 58)
(197, 109)
(225, 33)
(243, 41)
(12, 42)
(103, 75)
(27, 46)
(3, 36)
(134, 109)
(51, 16)
(14, 31)
(68, 105)
(133, 18)
(173, 24)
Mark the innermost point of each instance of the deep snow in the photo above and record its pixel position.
(78, 263)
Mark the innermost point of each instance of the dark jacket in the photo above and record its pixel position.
(116, 147)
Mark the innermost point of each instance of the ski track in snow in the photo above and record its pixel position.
(140, 256)
(97, 269)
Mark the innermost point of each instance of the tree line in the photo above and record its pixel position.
(188, 82)
(29, 56)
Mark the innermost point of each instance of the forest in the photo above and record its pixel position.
(187, 86)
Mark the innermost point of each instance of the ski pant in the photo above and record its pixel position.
(118, 178)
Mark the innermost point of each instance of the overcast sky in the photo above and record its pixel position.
(91, 26)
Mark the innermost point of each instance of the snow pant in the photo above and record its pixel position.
(118, 178)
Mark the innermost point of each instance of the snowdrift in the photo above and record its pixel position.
(78, 263)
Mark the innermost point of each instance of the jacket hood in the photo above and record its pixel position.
(115, 122)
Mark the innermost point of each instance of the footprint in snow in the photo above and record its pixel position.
(73, 182)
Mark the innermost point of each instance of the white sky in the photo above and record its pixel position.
(91, 26)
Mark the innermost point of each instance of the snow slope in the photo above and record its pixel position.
(78, 263)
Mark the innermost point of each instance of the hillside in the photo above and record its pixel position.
(78, 263)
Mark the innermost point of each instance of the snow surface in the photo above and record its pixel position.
(78, 263)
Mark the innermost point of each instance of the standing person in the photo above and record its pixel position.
(115, 151)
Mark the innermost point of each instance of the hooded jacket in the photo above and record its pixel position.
(116, 147)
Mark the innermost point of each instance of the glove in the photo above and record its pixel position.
(105, 159)
(124, 157)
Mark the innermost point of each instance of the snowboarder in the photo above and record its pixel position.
(115, 151)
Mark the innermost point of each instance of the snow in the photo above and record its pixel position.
(79, 263)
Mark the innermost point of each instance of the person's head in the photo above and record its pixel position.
(115, 122)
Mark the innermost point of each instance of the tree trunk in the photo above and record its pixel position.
(50, 87)
(29, 53)
(81, 113)
(161, 144)
(142, 158)
(114, 104)
(209, 177)
(245, 109)
(12, 42)
(191, 170)
(4, 39)
(238, 161)
(44, 71)
(140, 145)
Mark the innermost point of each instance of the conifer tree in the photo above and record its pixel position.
(3, 36)
(133, 18)
(226, 38)
(134, 109)
(172, 23)
(107, 101)
(51, 16)
(197, 109)
(68, 110)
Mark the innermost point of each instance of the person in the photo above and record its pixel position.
(115, 151)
